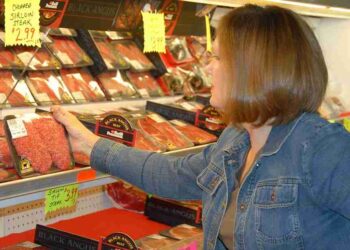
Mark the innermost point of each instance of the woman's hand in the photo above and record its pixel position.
(81, 139)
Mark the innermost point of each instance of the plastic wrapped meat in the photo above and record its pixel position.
(163, 132)
(69, 52)
(116, 85)
(5, 155)
(195, 134)
(20, 96)
(111, 60)
(8, 60)
(47, 89)
(42, 60)
(82, 85)
(177, 51)
(145, 83)
(132, 55)
(143, 142)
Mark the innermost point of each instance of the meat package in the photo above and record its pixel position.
(156, 242)
(69, 52)
(47, 88)
(110, 57)
(195, 134)
(20, 96)
(163, 132)
(197, 47)
(82, 85)
(195, 78)
(173, 80)
(38, 143)
(8, 59)
(5, 155)
(42, 60)
(145, 142)
(145, 83)
(132, 55)
(177, 52)
(116, 85)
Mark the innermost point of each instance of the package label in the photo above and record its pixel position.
(17, 128)
(22, 22)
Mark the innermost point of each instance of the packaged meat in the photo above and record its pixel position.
(163, 132)
(69, 53)
(132, 55)
(195, 78)
(155, 242)
(38, 144)
(197, 46)
(82, 85)
(146, 142)
(5, 155)
(126, 196)
(7, 175)
(183, 231)
(110, 57)
(177, 52)
(8, 59)
(195, 134)
(145, 83)
(47, 88)
(116, 85)
(20, 96)
(63, 32)
(42, 60)
(174, 81)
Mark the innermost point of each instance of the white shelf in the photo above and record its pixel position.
(33, 188)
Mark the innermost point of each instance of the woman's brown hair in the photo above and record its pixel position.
(275, 65)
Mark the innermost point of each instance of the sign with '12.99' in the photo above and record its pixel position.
(22, 22)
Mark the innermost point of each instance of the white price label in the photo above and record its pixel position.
(2, 98)
(66, 32)
(43, 97)
(144, 93)
(78, 95)
(156, 117)
(156, 237)
(17, 128)
(187, 106)
(178, 123)
(112, 35)
(25, 58)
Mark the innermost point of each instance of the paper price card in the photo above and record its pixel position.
(61, 198)
(347, 124)
(22, 22)
(208, 32)
(154, 32)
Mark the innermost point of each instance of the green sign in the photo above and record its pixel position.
(61, 197)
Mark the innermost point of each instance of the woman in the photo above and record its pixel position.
(278, 177)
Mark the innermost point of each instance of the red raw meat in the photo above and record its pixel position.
(5, 155)
(53, 136)
(42, 56)
(39, 81)
(33, 148)
(145, 81)
(6, 84)
(164, 133)
(116, 84)
(69, 47)
(141, 142)
(196, 135)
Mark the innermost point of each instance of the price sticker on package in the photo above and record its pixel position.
(61, 198)
(17, 128)
(22, 22)
(154, 32)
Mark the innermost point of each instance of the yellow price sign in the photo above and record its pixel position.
(154, 32)
(61, 197)
(208, 32)
(347, 124)
(22, 22)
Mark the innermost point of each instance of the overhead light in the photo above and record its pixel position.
(300, 4)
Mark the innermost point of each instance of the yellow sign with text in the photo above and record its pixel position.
(208, 32)
(22, 22)
(61, 198)
(154, 32)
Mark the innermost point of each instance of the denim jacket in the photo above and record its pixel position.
(295, 196)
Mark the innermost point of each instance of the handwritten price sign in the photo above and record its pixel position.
(154, 32)
(61, 197)
(22, 22)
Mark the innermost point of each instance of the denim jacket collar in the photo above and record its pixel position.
(277, 137)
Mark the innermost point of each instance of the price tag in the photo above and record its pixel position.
(78, 95)
(207, 28)
(17, 128)
(178, 123)
(61, 197)
(2, 98)
(43, 97)
(156, 118)
(22, 22)
(113, 35)
(144, 93)
(154, 32)
(347, 124)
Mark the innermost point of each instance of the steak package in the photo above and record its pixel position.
(8, 59)
(173, 80)
(69, 53)
(116, 85)
(177, 52)
(20, 96)
(47, 88)
(42, 60)
(195, 134)
(163, 132)
(5, 155)
(82, 85)
(182, 231)
(155, 242)
(145, 83)
(62, 32)
(38, 144)
(132, 55)
(126, 196)
(196, 80)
